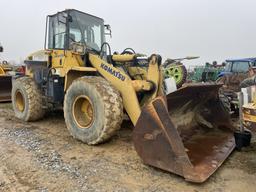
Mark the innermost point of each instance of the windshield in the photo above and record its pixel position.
(228, 67)
(86, 29)
(240, 66)
(79, 26)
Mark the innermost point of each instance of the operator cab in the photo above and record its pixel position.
(72, 26)
(240, 65)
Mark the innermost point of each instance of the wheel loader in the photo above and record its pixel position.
(186, 132)
(5, 80)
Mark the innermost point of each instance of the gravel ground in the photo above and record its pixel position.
(42, 156)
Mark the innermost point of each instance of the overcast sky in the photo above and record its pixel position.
(211, 29)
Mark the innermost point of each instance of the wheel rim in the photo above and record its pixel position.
(19, 101)
(82, 111)
(176, 73)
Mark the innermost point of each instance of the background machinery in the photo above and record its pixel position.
(5, 80)
(248, 107)
(7, 71)
(232, 77)
(175, 69)
(179, 133)
(207, 73)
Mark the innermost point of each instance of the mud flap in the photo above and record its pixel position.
(5, 88)
(191, 138)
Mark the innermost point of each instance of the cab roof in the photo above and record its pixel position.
(69, 10)
(253, 59)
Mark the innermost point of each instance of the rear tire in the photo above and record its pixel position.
(27, 99)
(93, 110)
(225, 103)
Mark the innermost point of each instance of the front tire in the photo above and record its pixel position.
(27, 99)
(93, 110)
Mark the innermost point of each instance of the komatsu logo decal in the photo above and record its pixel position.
(111, 71)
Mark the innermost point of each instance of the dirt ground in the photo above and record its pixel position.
(42, 156)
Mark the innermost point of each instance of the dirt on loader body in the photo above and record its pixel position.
(42, 156)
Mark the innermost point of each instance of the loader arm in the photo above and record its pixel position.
(123, 83)
(183, 136)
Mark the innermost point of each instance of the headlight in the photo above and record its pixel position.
(78, 48)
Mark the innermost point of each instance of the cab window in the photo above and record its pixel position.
(57, 32)
(240, 67)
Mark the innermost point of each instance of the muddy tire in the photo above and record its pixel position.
(93, 110)
(248, 82)
(27, 100)
(225, 103)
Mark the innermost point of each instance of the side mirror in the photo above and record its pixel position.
(1, 49)
(108, 29)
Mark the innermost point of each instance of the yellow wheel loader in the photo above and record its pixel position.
(6, 73)
(5, 85)
(186, 132)
(5, 81)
